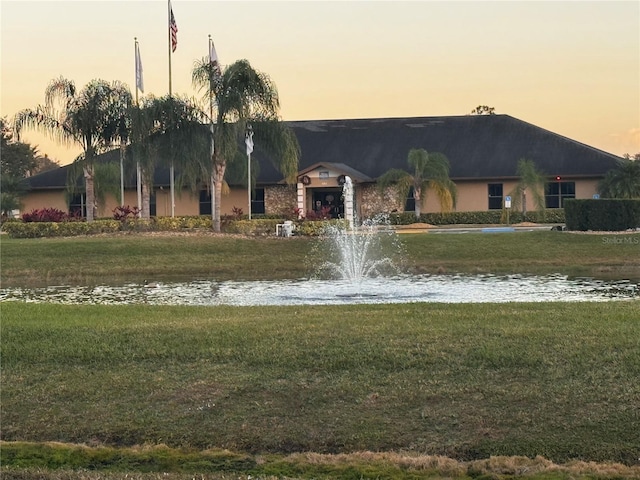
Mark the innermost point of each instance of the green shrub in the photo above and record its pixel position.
(138, 225)
(197, 222)
(172, 224)
(315, 228)
(59, 229)
(602, 214)
(273, 216)
(102, 226)
(482, 218)
(265, 226)
(168, 224)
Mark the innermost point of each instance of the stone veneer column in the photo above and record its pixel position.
(300, 200)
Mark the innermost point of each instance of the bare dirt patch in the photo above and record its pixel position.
(415, 226)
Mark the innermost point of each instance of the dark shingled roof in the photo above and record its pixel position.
(57, 178)
(478, 147)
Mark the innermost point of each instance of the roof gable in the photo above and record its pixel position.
(340, 168)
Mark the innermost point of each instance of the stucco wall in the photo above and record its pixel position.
(281, 199)
(44, 199)
(586, 188)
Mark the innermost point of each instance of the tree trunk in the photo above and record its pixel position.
(146, 210)
(212, 190)
(417, 199)
(90, 192)
(219, 169)
(524, 204)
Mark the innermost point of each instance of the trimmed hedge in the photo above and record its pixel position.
(315, 228)
(555, 215)
(258, 226)
(59, 229)
(263, 226)
(609, 215)
(18, 229)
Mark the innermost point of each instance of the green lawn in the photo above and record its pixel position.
(466, 381)
(436, 391)
(139, 257)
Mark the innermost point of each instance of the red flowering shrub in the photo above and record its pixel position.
(237, 212)
(323, 214)
(122, 213)
(46, 215)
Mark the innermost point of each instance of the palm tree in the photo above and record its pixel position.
(530, 180)
(623, 181)
(241, 96)
(17, 162)
(165, 131)
(11, 189)
(430, 171)
(83, 117)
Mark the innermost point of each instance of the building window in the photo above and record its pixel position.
(257, 201)
(205, 202)
(152, 204)
(557, 192)
(78, 206)
(495, 196)
(410, 203)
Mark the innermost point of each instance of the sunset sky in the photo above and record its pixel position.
(571, 67)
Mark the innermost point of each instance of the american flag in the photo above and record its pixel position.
(173, 27)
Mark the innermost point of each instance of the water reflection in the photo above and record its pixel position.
(398, 289)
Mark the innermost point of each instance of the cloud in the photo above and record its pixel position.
(628, 142)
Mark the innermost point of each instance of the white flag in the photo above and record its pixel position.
(139, 78)
(248, 139)
(213, 56)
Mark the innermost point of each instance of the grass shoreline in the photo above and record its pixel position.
(178, 464)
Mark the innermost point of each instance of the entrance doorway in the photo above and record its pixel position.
(328, 200)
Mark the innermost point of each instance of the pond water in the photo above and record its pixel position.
(395, 289)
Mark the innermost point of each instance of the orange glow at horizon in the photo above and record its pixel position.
(570, 67)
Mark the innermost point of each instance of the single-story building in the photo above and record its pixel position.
(483, 151)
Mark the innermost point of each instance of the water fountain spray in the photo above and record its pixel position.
(347, 193)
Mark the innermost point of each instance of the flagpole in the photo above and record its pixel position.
(213, 150)
(138, 172)
(171, 172)
(249, 182)
(169, 40)
(122, 147)
(249, 142)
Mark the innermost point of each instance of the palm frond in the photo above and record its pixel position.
(429, 171)
(530, 180)
(445, 192)
(398, 179)
(622, 181)
(279, 143)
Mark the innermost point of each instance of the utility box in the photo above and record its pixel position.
(285, 229)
